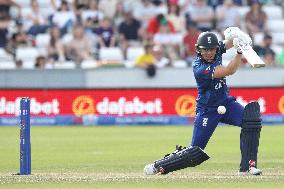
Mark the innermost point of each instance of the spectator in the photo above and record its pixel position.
(55, 48)
(265, 51)
(202, 14)
(130, 5)
(79, 48)
(19, 64)
(169, 41)
(130, 32)
(40, 62)
(256, 19)
(34, 21)
(5, 19)
(91, 15)
(105, 34)
(144, 12)
(5, 6)
(227, 15)
(4, 23)
(184, 5)
(160, 6)
(19, 38)
(78, 7)
(147, 60)
(108, 7)
(64, 18)
(269, 58)
(239, 2)
(155, 23)
(119, 13)
(189, 41)
(175, 17)
(161, 59)
(215, 3)
(56, 4)
(265, 46)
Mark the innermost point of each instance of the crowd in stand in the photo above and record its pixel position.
(166, 30)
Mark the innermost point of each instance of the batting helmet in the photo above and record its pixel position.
(207, 40)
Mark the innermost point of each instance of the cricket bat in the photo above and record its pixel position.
(253, 59)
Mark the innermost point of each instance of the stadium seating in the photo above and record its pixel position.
(4, 56)
(115, 55)
(7, 65)
(277, 48)
(111, 54)
(275, 25)
(28, 64)
(26, 53)
(179, 64)
(277, 37)
(133, 52)
(88, 64)
(42, 40)
(64, 65)
(273, 12)
(24, 3)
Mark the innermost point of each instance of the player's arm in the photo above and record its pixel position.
(230, 69)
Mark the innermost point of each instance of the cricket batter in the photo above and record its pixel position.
(214, 105)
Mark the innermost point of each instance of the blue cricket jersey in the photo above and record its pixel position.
(211, 91)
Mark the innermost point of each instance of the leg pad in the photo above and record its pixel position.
(250, 134)
(180, 159)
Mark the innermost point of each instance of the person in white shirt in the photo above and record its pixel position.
(64, 18)
(202, 14)
(227, 15)
(34, 21)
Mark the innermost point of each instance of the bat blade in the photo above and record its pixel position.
(253, 59)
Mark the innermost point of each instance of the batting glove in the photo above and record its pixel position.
(237, 45)
(235, 32)
(231, 32)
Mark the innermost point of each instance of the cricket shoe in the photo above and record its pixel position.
(252, 169)
(150, 170)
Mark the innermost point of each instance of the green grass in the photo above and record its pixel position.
(114, 157)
